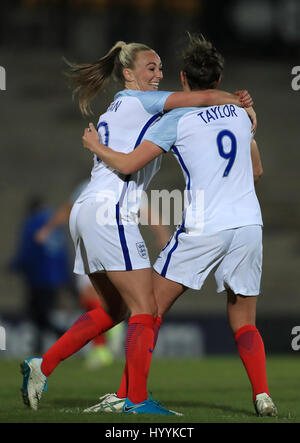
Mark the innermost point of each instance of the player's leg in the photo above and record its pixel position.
(117, 308)
(240, 273)
(88, 325)
(241, 310)
(241, 313)
(137, 291)
(100, 354)
(165, 293)
(98, 320)
(89, 300)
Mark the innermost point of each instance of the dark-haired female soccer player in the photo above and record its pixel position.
(222, 223)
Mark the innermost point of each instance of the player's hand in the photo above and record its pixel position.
(245, 98)
(252, 115)
(90, 138)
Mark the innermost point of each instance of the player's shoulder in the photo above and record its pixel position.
(141, 95)
(126, 93)
(152, 101)
(167, 126)
(241, 113)
(178, 113)
(130, 97)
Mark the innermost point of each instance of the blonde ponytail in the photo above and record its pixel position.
(88, 79)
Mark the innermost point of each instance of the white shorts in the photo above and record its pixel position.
(105, 247)
(235, 253)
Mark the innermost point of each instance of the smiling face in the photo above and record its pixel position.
(146, 74)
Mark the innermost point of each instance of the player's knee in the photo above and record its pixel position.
(120, 316)
(144, 306)
(154, 306)
(117, 313)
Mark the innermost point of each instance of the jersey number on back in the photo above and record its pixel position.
(104, 138)
(229, 155)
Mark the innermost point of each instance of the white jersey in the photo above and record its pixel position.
(114, 243)
(212, 146)
(122, 128)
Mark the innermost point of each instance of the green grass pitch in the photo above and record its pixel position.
(206, 390)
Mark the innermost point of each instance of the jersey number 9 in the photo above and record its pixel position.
(230, 155)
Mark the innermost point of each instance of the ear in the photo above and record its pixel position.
(128, 75)
(218, 82)
(183, 79)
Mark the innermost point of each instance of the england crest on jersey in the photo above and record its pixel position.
(142, 250)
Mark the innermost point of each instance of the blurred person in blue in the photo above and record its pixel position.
(44, 268)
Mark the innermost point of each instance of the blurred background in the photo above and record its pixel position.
(42, 159)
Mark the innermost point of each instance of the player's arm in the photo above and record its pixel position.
(60, 217)
(212, 97)
(252, 115)
(256, 161)
(124, 163)
(209, 97)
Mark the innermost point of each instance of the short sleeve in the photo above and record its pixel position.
(164, 132)
(152, 101)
